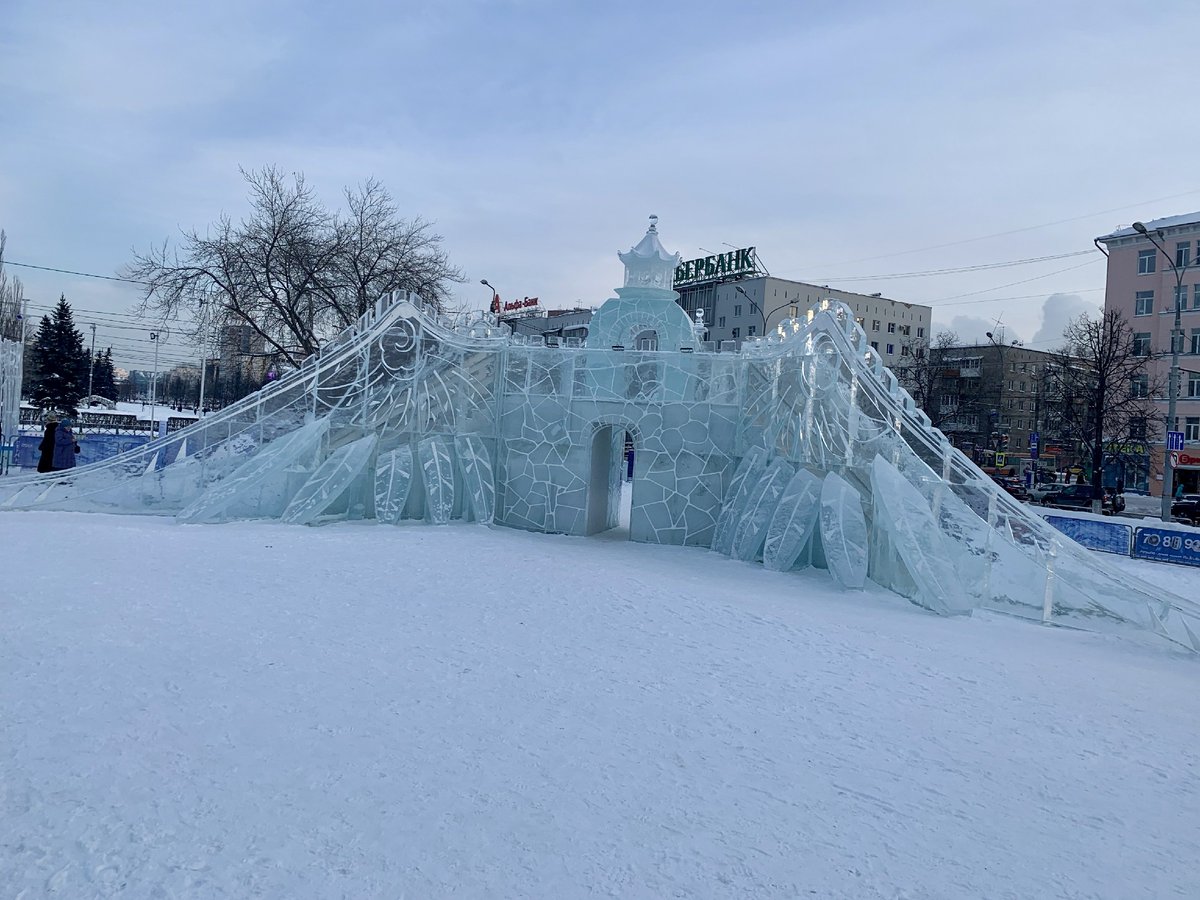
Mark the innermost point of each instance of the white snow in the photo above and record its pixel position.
(264, 710)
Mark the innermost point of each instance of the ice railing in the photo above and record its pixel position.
(1009, 558)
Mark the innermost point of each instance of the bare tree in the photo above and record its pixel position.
(11, 293)
(293, 271)
(921, 374)
(1102, 383)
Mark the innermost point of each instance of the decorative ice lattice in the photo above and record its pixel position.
(799, 448)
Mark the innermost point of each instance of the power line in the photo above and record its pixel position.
(9, 262)
(960, 269)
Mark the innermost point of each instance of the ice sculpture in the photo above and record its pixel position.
(843, 532)
(11, 370)
(393, 480)
(437, 474)
(917, 542)
(441, 418)
(793, 523)
(748, 473)
(335, 479)
(760, 507)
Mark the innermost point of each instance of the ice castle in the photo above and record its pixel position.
(798, 449)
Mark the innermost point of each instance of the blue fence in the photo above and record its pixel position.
(1109, 537)
(92, 448)
(1167, 545)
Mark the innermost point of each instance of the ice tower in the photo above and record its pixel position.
(799, 449)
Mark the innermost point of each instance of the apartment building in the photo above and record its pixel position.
(1149, 274)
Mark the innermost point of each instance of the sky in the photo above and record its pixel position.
(850, 143)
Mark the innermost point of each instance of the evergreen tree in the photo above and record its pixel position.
(60, 361)
(105, 379)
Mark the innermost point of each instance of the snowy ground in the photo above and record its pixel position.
(260, 710)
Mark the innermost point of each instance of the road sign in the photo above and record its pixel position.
(1174, 459)
(1001, 461)
(1174, 440)
(1033, 440)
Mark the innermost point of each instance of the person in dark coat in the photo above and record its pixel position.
(58, 447)
(46, 447)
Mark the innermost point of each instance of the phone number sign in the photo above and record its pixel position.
(1180, 547)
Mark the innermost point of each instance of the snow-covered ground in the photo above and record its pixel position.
(262, 710)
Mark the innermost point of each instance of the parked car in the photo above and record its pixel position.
(1038, 492)
(1187, 509)
(1080, 496)
(1014, 486)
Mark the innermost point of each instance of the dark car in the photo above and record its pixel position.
(1187, 509)
(1014, 486)
(1080, 496)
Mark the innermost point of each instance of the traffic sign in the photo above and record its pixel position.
(1174, 459)
(1174, 440)
(1033, 440)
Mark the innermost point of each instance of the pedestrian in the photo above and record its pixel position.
(1079, 478)
(46, 447)
(65, 446)
(1179, 491)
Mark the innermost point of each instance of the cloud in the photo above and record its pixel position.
(974, 330)
(1057, 312)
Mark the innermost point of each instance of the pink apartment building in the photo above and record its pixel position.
(1144, 285)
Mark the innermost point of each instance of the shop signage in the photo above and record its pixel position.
(518, 305)
(719, 265)
(1187, 460)
(1125, 448)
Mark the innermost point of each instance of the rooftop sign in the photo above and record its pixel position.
(717, 266)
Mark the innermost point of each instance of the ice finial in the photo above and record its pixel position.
(647, 264)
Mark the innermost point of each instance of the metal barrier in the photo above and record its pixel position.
(1108, 537)
(1167, 545)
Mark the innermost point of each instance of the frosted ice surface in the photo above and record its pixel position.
(793, 523)
(393, 481)
(760, 507)
(843, 532)
(476, 464)
(263, 484)
(437, 474)
(748, 472)
(906, 516)
(339, 477)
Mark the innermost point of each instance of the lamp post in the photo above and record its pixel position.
(1173, 379)
(92, 366)
(495, 298)
(153, 381)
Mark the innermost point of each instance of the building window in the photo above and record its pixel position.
(1181, 296)
(891, 327)
(921, 331)
(1139, 386)
(1194, 384)
(1191, 429)
(1183, 254)
(905, 329)
(1137, 429)
(1196, 296)
(1195, 340)
(721, 322)
(1146, 262)
(737, 333)
(794, 312)
(904, 350)
(737, 310)
(750, 331)
(891, 349)
(1143, 303)
(874, 324)
(875, 346)
(1022, 383)
(1141, 343)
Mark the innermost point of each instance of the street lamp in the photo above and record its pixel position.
(495, 298)
(153, 382)
(1173, 378)
(741, 290)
